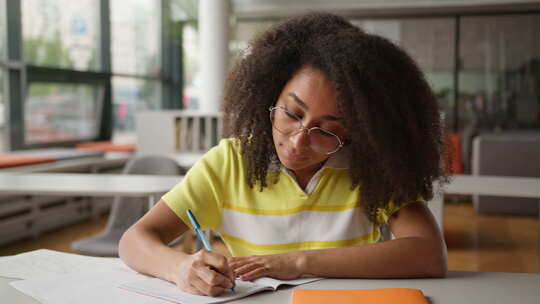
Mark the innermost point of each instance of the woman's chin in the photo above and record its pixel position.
(292, 163)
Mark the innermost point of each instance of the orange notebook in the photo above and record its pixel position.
(350, 296)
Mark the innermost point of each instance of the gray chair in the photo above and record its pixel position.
(509, 153)
(126, 210)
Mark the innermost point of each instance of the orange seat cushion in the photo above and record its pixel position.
(106, 146)
(454, 161)
(7, 161)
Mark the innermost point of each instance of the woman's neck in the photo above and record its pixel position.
(304, 176)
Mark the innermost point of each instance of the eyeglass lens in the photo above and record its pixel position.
(289, 124)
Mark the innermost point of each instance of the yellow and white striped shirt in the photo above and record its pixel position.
(282, 217)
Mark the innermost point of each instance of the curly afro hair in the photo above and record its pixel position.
(395, 147)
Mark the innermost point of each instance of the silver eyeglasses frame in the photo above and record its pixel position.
(303, 128)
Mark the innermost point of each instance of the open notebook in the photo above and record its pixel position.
(353, 296)
(164, 290)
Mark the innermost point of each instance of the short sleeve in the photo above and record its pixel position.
(202, 189)
(384, 214)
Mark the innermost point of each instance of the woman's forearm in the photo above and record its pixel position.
(144, 252)
(400, 258)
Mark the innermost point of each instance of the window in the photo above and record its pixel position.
(499, 80)
(65, 91)
(135, 37)
(241, 33)
(190, 45)
(61, 33)
(75, 56)
(136, 60)
(131, 95)
(3, 48)
(184, 14)
(56, 112)
(430, 42)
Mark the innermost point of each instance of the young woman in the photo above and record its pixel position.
(334, 133)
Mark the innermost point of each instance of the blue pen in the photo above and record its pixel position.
(200, 235)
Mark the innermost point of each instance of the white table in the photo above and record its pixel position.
(457, 287)
(496, 186)
(94, 185)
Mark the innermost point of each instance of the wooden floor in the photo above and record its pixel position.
(490, 243)
(475, 242)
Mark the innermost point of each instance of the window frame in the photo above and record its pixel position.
(60, 76)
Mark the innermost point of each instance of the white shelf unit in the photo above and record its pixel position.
(174, 132)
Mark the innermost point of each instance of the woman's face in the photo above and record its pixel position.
(312, 98)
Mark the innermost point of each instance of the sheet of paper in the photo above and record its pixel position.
(84, 288)
(62, 278)
(44, 262)
(165, 290)
(161, 289)
(274, 283)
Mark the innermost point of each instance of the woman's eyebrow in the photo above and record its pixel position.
(305, 107)
(298, 100)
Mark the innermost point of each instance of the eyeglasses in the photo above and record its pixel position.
(289, 124)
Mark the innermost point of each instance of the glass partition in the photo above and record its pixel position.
(61, 33)
(3, 25)
(430, 42)
(57, 112)
(3, 54)
(2, 110)
(499, 80)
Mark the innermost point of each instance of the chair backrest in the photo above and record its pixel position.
(153, 165)
(125, 211)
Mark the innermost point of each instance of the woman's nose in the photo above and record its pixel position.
(300, 140)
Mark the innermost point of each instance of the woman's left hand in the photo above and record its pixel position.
(283, 266)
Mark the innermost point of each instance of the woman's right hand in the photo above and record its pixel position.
(203, 273)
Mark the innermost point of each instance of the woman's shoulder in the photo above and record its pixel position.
(229, 145)
(228, 149)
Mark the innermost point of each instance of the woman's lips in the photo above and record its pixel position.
(294, 157)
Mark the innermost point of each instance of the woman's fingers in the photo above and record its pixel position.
(192, 289)
(279, 266)
(242, 270)
(218, 263)
(202, 288)
(250, 268)
(255, 273)
(213, 278)
(205, 273)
